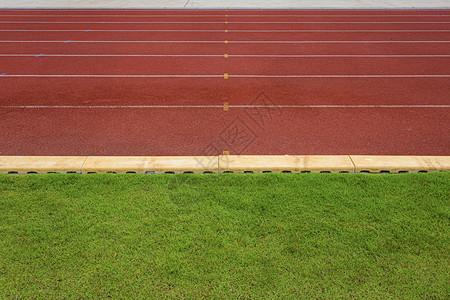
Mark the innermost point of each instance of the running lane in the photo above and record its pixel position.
(169, 82)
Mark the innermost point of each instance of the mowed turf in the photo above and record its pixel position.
(232, 236)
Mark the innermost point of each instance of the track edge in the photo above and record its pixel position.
(223, 164)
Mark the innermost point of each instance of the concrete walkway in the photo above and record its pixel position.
(228, 4)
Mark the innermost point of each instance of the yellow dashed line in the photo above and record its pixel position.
(225, 75)
(225, 106)
(226, 42)
(226, 55)
(226, 22)
(226, 30)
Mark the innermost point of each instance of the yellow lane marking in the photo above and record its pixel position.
(225, 75)
(226, 55)
(225, 106)
(226, 152)
(226, 30)
(226, 42)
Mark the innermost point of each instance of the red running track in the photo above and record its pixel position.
(152, 82)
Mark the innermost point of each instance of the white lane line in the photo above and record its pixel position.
(4, 75)
(332, 42)
(341, 30)
(218, 30)
(210, 106)
(339, 76)
(229, 55)
(118, 41)
(223, 15)
(234, 42)
(210, 22)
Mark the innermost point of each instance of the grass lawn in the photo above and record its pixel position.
(232, 236)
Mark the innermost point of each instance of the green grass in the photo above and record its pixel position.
(225, 236)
